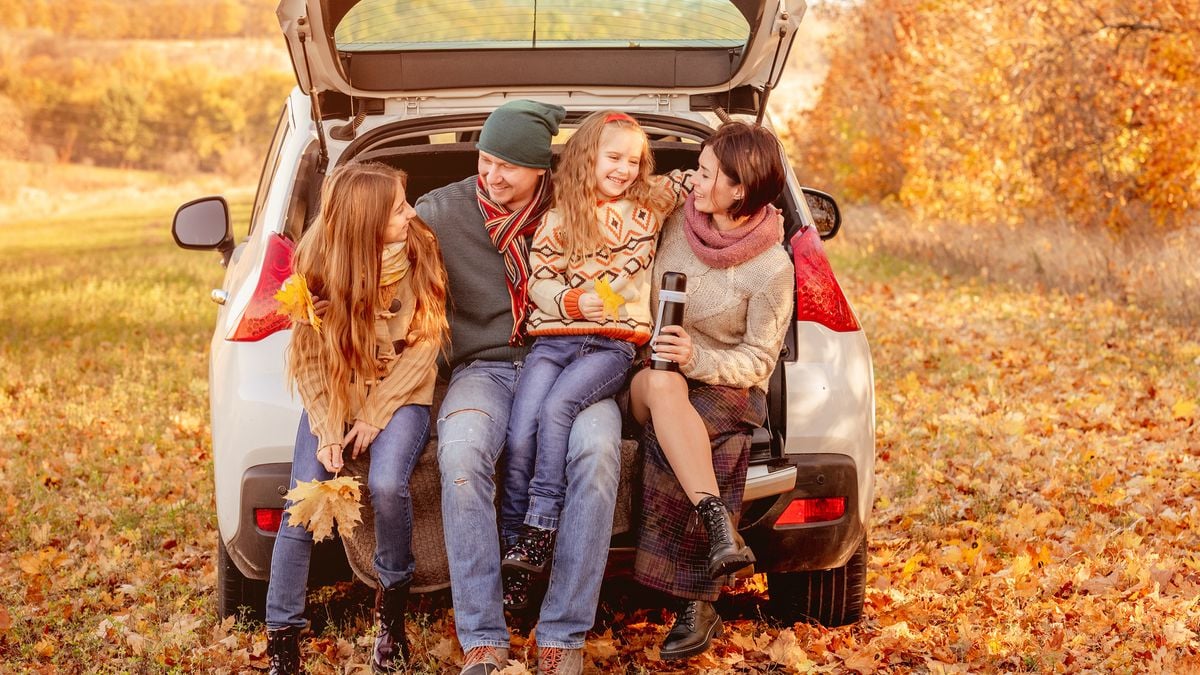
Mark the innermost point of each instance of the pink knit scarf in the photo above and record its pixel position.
(725, 249)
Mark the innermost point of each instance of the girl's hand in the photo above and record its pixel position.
(320, 307)
(361, 435)
(330, 457)
(674, 344)
(592, 307)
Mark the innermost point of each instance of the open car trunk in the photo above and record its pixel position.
(432, 159)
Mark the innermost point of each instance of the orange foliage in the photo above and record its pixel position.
(999, 112)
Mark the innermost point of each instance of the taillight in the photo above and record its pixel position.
(259, 319)
(815, 510)
(819, 298)
(268, 520)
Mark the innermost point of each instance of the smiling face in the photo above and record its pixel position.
(617, 160)
(715, 191)
(396, 230)
(509, 185)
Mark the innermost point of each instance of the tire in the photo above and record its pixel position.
(238, 596)
(828, 597)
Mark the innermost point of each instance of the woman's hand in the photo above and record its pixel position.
(591, 306)
(361, 435)
(674, 344)
(330, 457)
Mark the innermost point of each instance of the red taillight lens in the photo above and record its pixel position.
(259, 319)
(268, 520)
(819, 298)
(817, 510)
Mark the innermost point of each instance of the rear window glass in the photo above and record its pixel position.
(386, 25)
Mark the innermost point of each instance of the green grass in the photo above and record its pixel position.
(104, 446)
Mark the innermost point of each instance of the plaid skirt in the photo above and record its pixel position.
(672, 547)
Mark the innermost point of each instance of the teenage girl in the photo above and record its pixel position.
(600, 235)
(365, 377)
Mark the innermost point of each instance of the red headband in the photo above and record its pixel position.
(613, 117)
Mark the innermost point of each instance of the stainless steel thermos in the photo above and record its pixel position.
(671, 298)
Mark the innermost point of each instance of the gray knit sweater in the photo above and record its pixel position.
(479, 309)
(737, 317)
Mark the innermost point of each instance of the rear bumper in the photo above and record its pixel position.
(811, 546)
(263, 487)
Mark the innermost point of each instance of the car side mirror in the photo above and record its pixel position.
(825, 212)
(203, 224)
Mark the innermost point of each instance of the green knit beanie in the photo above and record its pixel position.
(519, 132)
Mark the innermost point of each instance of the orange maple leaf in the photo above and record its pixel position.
(317, 505)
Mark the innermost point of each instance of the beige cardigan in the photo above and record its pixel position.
(407, 372)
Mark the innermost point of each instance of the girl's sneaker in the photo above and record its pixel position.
(532, 551)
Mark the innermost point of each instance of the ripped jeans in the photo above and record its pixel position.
(472, 425)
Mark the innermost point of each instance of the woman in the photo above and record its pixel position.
(726, 239)
(365, 374)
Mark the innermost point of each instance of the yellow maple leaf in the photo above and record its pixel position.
(1184, 409)
(295, 301)
(612, 299)
(317, 505)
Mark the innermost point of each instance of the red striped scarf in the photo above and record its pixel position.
(509, 231)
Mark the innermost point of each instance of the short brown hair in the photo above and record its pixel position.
(750, 155)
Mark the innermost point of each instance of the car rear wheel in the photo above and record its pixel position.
(828, 597)
(237, 595)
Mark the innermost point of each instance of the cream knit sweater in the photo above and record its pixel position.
(737, 317)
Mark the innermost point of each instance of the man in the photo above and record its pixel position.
(483, 224)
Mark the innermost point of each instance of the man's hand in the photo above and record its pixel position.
(591, 306)
(360, 435)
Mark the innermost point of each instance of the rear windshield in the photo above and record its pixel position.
(386, 25)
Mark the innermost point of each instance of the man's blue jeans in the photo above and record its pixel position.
(472, 426)
(393, 454)
(562, 375)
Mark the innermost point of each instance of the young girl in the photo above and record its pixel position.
(365, 376)
(602, 230)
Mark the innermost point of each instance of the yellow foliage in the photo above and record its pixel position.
(296, 303)
(612, 300)
(317, 505)
(1013, 112)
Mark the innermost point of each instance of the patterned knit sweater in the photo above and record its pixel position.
(737, 317)
(406, 374)
(630, 234)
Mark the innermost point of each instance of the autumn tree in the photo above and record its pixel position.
(1077, 110)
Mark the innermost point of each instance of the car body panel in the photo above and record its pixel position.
(831, 401)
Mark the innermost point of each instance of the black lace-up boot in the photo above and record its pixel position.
(283, 650)
(391, 642)
(696, 624)
(532, 552)
(727, 553)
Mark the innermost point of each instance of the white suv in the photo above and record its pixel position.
(411, 86)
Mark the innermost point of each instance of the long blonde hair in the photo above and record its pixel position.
(340, 257)
(575, 193)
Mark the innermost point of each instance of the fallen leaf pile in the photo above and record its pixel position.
(1037, 504)
(320, 504)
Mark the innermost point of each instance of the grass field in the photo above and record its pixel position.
(1039, 464)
